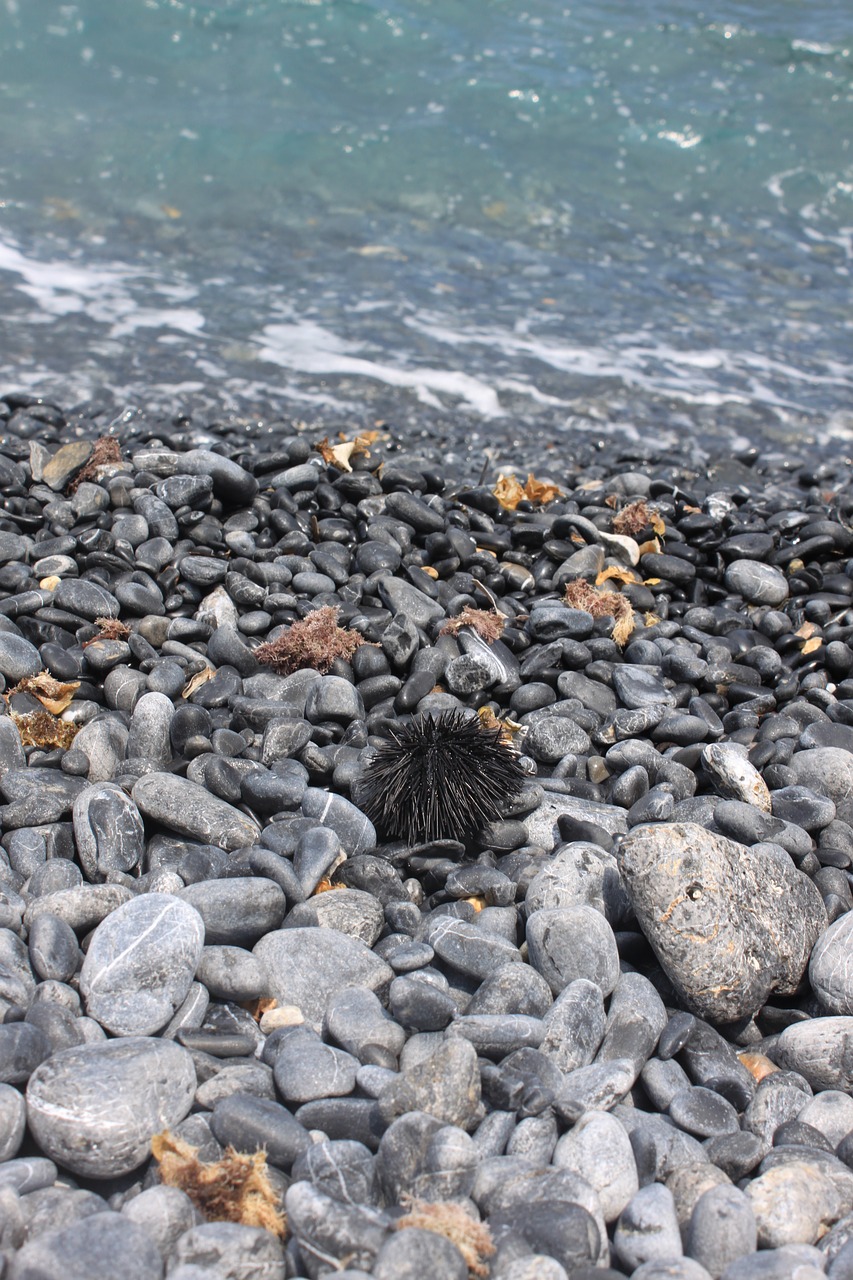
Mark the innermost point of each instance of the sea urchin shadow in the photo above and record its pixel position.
(439, 778)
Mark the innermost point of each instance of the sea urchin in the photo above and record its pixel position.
(439, 778)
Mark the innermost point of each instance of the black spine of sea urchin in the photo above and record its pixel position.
(439, 778)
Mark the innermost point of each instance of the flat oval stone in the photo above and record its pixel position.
(89, 1250)
(829, 967)
(140, 964)
(138, 1086)
(728, 923)
(108, 831)
(820, 1049)
(189, 809)
(228, 1249)
(567, 943)
(236, 910)
(757, 583)
(598, 1148)
(304, 967)
(18, 658)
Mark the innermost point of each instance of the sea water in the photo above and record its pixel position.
(632, 214)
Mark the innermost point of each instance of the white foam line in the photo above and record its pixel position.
(306, 347)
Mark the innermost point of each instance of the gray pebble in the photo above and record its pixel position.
(143, 1085)
(305, 967)
(567, 943)
(721, 1229)
(415, 1254)
(89, 1250)
(830, 969)
(238, 910)
(306, 1068)
(187, 808)
(229, 1249)
(140, 964)
(108, 831)
(445, 1085)
(648, 1228)
(13, 1120)
(598, 1148)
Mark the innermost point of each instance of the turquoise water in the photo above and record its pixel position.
(589, 214)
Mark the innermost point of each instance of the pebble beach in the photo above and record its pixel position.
(610, 1033)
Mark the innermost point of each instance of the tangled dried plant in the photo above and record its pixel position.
(473, 1239)
(41, 729)
(104, 451)
(636, 517)
(315, 641)
(601, 604)
(236, 1188)
(109, 629)
(488, 624)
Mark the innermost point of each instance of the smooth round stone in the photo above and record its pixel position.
(789, 1202)
(347, 910)
(189, 809)
(703, 1113)
(305, 967)
(143, 1085)
(357, 1020)
(22, 1047)
(416, 1254)
(831, 1113)
(108, 831)
(599, 1149)
(802, 806)
(248, 1123)
(637, 686)
(561, 1229)
(509, 989)
(830, 972)
(579, 872)
(469, 948)
(635, 1020)
(648, 1229)
(567, 943)
(164, 1214)
(445, 1085)
(343, 1234)
(496, 1035)
(238, 910)
(18, 658)
(140, 964)
(574, 1025)
(53, 948)
(821, 1050)
(231, 973)
(757, 583)
(551, 737)
(355, 832)
(333, 698)
(230, 1249)
(420, 1006)
(306, 1068)
(87, 599)
(13, 1120)
(721, 1229)
(91, 1250)
(826, 770)
(149, 733)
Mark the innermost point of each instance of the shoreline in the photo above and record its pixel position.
(612, 1028)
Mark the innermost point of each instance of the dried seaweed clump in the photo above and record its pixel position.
(104, 451)
(41, 729)
(236, 1188)
(580, 595)
(473, 1239)
(510, 492)
(488, 624)
(636, 517)
(109, 629)
(52, 694)
(315, 641)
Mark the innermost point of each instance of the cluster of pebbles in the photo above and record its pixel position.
(615, 1028)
